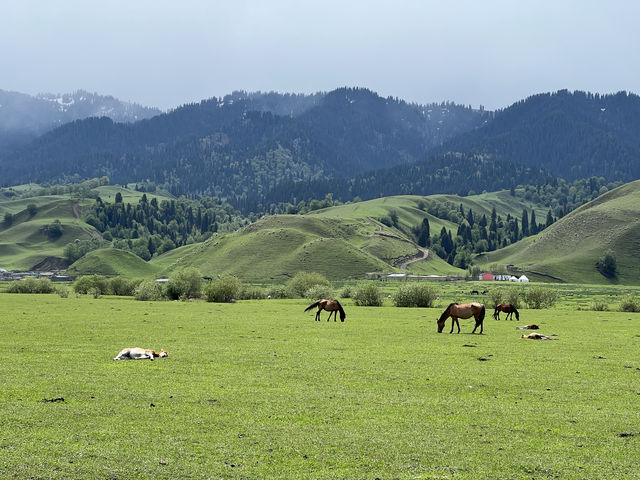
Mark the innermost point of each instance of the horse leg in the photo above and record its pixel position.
(318, 316)
(335, 315)
(453, 322)
(478, 324)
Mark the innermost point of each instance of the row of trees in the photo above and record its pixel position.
(151, 228)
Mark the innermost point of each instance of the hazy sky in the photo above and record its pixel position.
(166, 53)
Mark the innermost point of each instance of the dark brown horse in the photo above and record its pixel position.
(331, 306)
(462, 310)
(508, 309)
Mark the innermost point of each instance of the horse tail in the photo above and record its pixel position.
(312, 306)
(481, 317)
(515, 310)
(342, 312)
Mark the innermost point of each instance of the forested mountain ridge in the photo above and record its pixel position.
(237, 145)
(570, 134)
(258, 149)
(25, 117)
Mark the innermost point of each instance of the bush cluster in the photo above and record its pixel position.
(184, 283)
(298, 286)
(317, 292)
(223, 290)
(539, 297)
(414, 295)
(630, 303)
(150, 290)
(98, 285)
(367, 295)
(31, 285)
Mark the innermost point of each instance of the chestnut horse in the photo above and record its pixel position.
(508, 309)
(462, 310)
(331, 306)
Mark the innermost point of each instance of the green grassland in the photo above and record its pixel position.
(569, 249)
(257, 389)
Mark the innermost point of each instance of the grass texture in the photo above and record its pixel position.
(258, 389)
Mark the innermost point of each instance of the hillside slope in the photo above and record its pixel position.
(275, 248)
(569, 249)
(111, 262)
(28, 240)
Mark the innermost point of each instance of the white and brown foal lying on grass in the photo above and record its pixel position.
(138, 353)
(537, 336)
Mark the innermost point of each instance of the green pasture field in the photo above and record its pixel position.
(258, 389)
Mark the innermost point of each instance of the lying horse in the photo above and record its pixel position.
(331, 306)
(531, 326)
(537, 336)
(138, 353)
(508, 309)
(462, 310)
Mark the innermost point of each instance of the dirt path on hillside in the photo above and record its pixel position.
(424, 253)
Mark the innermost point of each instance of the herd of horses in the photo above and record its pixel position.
(454, 310)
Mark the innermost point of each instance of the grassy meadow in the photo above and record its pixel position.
(257, 389)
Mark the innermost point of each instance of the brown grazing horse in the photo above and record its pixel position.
(331, 306)
(462, 310)
(508, 309)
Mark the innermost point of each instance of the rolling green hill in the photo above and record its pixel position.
(25, 242)
(111, 262)
(410, 209)
(277, 247)
(569, 249)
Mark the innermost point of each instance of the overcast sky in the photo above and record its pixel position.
(167, 53)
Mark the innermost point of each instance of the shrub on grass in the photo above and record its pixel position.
(496, 296)
(31, 285)
(346, 292)
(184, 283)
(62, 291)
(303, 281)
(319, 291)
(277, 292)
(367, 295)
(123, 287)
(149, 290)
(539, 297)
(223, 290)
(630, 303)
(88, 282)
(514, 296)
(599, 306)
(414, 295)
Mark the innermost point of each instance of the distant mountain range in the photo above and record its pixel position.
(259, 148)
(25, 117)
